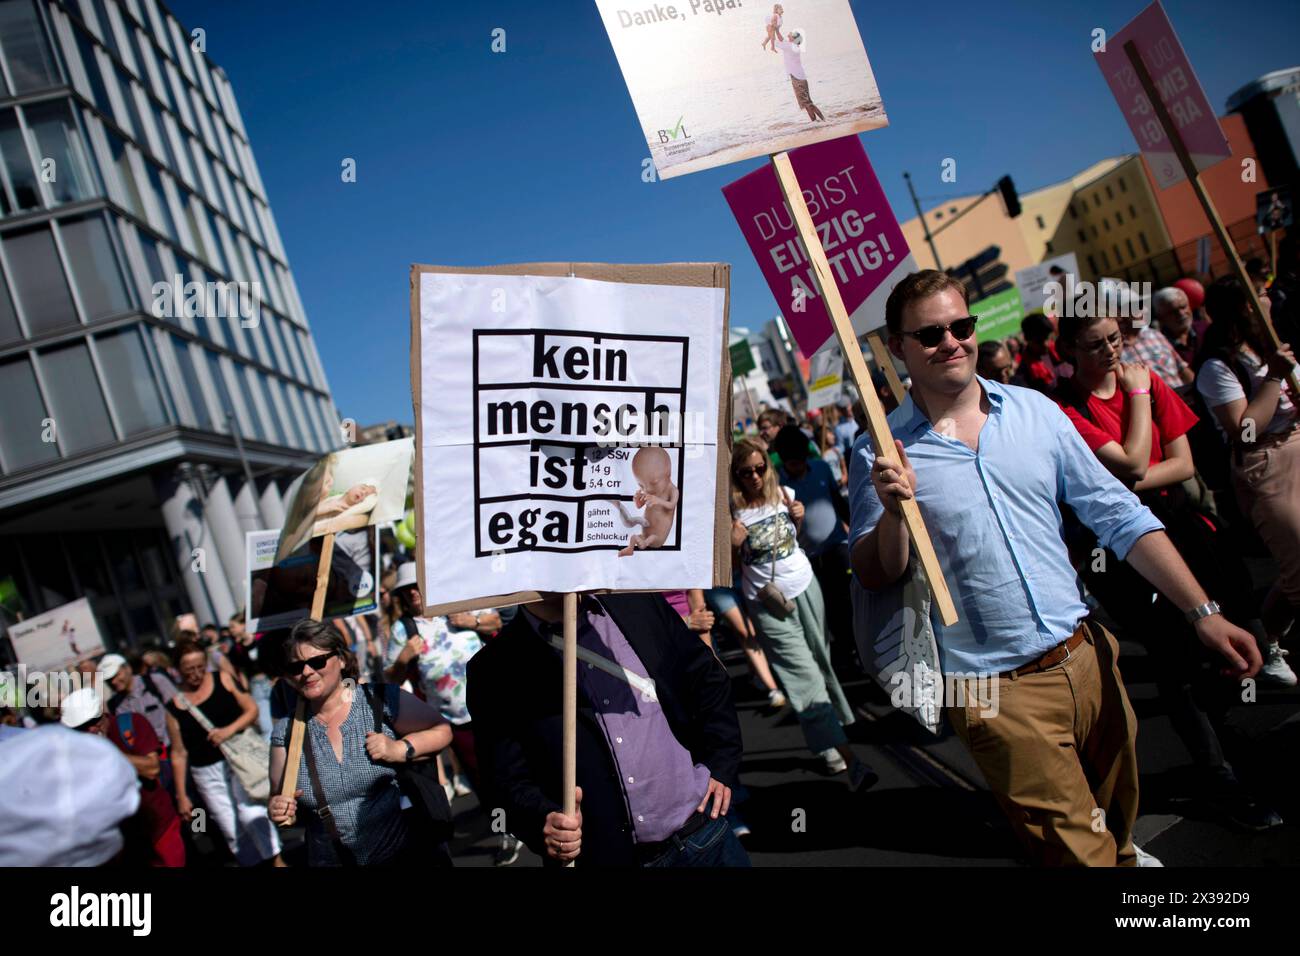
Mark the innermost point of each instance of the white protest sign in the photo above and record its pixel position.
(568, 433)
(1032, 281)
(57, 639)
(825, 378)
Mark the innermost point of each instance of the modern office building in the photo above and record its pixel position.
(159, 386)
(1270, 108)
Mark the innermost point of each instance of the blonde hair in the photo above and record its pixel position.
(771, 493)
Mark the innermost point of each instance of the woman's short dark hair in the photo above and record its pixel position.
(323, 636)
(185, 647)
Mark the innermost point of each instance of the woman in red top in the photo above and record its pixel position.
(1137, 427)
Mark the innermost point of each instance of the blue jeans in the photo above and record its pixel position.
(259, 687)
(711, 845)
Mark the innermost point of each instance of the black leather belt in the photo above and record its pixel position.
(646, 852)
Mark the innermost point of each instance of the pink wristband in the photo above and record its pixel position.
(1139, 391)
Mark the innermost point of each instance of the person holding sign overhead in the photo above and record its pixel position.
(990, 465)
(658, 743)
(792, 52)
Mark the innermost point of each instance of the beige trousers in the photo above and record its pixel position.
(1059, 756)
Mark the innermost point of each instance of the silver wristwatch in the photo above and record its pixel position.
(1203, 610)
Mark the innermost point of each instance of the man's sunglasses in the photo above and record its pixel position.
(295, 668)
(752, 470)
(932, 335)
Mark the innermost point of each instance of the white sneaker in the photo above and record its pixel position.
(775, 699)
(834, 762)
(1276, 670)
(1145, 858)
(460, 786)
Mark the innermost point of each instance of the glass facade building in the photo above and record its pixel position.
(142, 410)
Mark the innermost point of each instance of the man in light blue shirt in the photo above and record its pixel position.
(989, 466)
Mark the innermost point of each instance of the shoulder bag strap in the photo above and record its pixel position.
(323, 810)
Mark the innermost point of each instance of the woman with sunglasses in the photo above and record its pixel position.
(348, 768)
(1137, 427)
(765, 527)
(242, 821)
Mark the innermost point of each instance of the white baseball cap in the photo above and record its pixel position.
(406, 576)
(81, 707)
(111, 664)
(51, 814)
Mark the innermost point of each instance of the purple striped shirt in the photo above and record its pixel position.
(662, 784)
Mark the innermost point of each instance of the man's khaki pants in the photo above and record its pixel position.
(1059, 755)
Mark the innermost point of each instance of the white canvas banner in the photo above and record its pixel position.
(570, 431)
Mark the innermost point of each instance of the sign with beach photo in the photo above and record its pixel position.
(718, 81)
(57, 639)
(569, 438)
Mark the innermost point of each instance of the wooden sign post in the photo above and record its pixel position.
(881, 436)
(299, 730)
(1194, 177)
(569, 752)
(886, 362)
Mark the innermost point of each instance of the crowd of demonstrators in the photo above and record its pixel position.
(208, 711)
(783, 597)
(992, 487)
(1243, 381)
(1137, 427)
(356, 737)
(153, 834)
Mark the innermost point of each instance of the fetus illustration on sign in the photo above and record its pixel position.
(656, 495)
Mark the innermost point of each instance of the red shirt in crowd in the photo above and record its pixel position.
(156, 825)
(1170, 418)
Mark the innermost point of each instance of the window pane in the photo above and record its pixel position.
(38, 280)
(49, 569)
(9, 331)
(90, 64)
(257, 380)
(58, 138)
(25, 47)
(22, 423)
(242, 373)
(130, 381)
(122, 160)
(223, 393)
(191, 376)
(78, 407)
(88, 564)
(17, 162)
(94, 267)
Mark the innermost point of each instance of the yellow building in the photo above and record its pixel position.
(1110, 220)
(1106, 215)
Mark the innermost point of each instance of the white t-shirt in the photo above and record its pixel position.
(1219, 385)
(793, 59)
(772, 527)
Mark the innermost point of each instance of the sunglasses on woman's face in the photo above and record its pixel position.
(295, 668)
(752, 470)
(932, 335)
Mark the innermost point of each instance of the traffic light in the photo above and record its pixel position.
(1010, 199)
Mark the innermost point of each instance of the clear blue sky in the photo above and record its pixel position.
(466, 157)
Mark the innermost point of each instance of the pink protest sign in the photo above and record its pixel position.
(1180, 91)
(863, 242)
